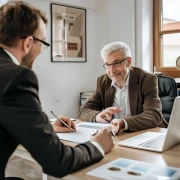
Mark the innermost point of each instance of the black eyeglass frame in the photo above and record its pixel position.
(105, 66)
(44, 42)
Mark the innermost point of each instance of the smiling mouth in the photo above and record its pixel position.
(115, 75)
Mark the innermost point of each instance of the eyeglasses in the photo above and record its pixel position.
(115, 64)
(45, 45)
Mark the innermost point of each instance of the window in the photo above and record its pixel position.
(166, 38)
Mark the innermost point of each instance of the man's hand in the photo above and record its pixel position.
(59, 127)
(117, 125)
(104, 139)
(107, 114)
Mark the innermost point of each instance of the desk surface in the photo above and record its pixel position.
(170, 157)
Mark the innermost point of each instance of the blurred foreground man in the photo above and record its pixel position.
(22, 121)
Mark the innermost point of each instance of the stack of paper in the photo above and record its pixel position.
(135, 170)
(83, 132)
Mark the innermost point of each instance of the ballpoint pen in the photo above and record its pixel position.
(108, 118)
(111, 131)
(62, 121)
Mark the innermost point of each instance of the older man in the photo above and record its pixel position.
(125, 96)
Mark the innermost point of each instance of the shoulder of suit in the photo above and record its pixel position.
(27, 73)
(141, 72)
(11, 70)
(19, 73)
(104, 78)
(24, 70)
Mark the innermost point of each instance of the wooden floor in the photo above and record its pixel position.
(19, 167)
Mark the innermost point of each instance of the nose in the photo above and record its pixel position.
(110, 73)
(111, 69)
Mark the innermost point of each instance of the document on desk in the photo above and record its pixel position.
(83, 132)
(129, 169)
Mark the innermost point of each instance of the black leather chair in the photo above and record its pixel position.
(13, 178)
(167, 92)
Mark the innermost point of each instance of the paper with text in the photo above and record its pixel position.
(83, 132)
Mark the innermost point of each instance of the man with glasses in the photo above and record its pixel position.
(125, 96)
(22, 121)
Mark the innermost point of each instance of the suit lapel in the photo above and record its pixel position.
(109, 94)
(133, 91)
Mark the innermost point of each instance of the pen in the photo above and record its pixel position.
(62, 122)
(107, 115)
(94, 133)
(72, 119)
(106, 120)
(112, 133)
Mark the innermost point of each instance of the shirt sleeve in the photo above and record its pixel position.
(126, 124)
(98, 147)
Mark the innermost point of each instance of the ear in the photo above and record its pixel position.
(129, 61)
(27, 44)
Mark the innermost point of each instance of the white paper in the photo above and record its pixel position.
(126, 167)
(83, 132)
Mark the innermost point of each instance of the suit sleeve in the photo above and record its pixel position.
(149, 113)
(92, 107)
(24, 119)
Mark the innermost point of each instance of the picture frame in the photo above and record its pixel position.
(68, 34)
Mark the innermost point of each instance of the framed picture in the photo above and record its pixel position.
(68, 34)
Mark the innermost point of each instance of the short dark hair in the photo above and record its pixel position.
(18, 19)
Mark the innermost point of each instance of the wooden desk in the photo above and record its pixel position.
(170, 157)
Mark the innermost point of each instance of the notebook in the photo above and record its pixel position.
(159, 142)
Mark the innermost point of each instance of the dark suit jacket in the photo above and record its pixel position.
(22, 121)
(145, 105)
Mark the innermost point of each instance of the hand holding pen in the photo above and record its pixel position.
(105, 138)
(63, 124)
(111, 132)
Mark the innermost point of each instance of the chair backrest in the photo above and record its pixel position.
(167, 92)
(84, 96)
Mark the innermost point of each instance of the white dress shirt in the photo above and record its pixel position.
(12, 57)
(121, 100)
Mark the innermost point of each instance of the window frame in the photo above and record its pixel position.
(157, 35)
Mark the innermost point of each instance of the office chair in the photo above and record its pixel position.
(167, 92)
(13, 178)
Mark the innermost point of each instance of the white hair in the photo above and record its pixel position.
(116, 46)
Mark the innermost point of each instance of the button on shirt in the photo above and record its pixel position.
(121, 100)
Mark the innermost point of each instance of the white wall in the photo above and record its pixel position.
(107, 20)
(61, 83)
(2, 2)
(129, 21)
(122, 23)
(116, 22)
(144, 34)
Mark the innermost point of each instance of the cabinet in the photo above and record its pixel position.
(84, 96)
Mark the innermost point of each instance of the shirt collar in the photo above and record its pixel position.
(126, 84)
(12, 57)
